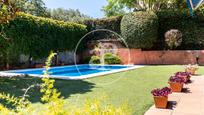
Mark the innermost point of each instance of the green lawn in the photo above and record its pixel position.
(132, 87)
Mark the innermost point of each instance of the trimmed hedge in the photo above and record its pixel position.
(37, 36)
(111, 23)
(139, 29)
(192, 28)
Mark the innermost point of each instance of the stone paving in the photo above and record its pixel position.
(189, 102)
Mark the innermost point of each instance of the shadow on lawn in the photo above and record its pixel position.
(16, 86)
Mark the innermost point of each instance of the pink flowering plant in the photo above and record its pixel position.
(163, 92)
(176, 79)
(185, 75)
(178, 74)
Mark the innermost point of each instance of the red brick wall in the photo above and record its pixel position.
(160, 57)
(136, 56)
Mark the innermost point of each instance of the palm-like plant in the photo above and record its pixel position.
(150, 4)
(116, 7)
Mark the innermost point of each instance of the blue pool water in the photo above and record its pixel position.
(73, 71)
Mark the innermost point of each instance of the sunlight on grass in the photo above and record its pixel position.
(133, 87)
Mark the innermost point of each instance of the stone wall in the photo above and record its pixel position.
(67, 57)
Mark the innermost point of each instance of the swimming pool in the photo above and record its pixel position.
(73, 71)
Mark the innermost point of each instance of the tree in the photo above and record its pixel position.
(67, 15)
(113, 9)
(116, 7)
(35, 7)
(7, 10)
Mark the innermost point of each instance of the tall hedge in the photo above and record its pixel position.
(36, 36)
(192, 28)
(139, 29)
(110, 23)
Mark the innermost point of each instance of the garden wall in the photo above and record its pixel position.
(161, 57)
(67, 57)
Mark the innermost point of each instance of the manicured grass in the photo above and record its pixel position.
(132, 87)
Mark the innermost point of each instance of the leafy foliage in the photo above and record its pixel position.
(109, 58)
(112, 59)
(200, 9)
(50, 93)
(191, 28)
(164, 92)
(19, 103)
(7, 10)
(95, 60)
(36, 36)
(113, 9)
(139, 29)
(67, 15)
(173, 38)
(176, 79)
(34, 7)
(118, 7)
(111, 23)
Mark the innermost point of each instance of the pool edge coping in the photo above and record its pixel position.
(7, 74)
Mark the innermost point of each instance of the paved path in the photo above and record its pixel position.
(189, 102)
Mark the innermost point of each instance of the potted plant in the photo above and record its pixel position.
(161, 97)
(184, 75)
(176, 83)
(191, 69)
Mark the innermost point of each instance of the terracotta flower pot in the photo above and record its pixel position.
(176, 87)
(191, 70)
(160, 102)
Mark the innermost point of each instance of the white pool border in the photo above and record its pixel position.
(9, 74)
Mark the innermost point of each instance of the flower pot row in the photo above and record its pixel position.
(176, 83)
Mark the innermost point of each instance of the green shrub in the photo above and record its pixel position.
(37, 36)
(111, 23)
(95, 60)
(110, 58)
(139, 29)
